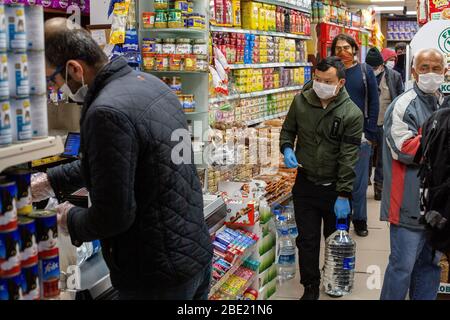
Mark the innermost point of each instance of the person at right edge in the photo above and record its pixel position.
(391, 86)
(362, 88)
(328, 127)
(413, 264)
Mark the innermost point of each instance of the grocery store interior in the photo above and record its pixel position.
(235, 66)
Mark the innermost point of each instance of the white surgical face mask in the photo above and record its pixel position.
(324, 91)
(81, 92)
(430, 82)
(390, 64)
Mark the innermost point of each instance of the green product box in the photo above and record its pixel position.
(267, 243)
(267, 260)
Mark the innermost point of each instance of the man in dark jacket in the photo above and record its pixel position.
(326, 127)
(362, 88)
(390, 86)
(146, 210)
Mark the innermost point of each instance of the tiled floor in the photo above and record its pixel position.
(372, 255)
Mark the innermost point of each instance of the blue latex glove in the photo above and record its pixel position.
(342, 208)
(290, 160)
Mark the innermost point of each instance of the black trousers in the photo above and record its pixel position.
(313, 204)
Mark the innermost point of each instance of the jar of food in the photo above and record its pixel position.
(182, 5)
(148, 19)
(161, 19)
(197, 21)
(202, 64)
(175, 85)
(190, 6)
(158, 46)
(190, 62)
(148, 61)
(185, 19)
(161, 4)
(200, 47)
(184, 46)
(169, 46)
(189, 103)
(175, 62)
(161, 62)
(175, 19)
(148, 45)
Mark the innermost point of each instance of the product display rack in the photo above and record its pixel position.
(254, 94)
(193, 82)
(269, 65)
(261, 33)
(286, 5)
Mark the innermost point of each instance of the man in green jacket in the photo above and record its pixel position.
(327, 128)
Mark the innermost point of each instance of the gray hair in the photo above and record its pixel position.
(429, 50)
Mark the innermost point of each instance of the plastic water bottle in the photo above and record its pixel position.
(290, 221)
(339, 269)
(286, 254)
(278, 221)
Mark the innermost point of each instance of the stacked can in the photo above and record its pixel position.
(47, 242)
(5, 108)
(19, 277)
(36, 62)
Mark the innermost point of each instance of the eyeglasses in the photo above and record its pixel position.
(346, 48)
(52, 78)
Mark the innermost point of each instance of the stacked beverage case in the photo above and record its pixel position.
(23, 99)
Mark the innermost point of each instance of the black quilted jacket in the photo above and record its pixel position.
(146, 210)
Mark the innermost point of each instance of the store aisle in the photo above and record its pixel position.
(371, 252)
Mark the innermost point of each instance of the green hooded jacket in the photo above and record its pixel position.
(327, 139)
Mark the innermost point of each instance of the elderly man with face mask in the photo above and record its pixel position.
(413, 266)
(326, 127)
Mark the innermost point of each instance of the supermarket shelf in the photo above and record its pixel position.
(351, 28)
(286, 5)
(254, 94)
(191, 31)
(269, 65)
(29, 151)
(195, 113)
(262, 33)
(274, 116)
(247, 285)
(233, 269)
(176, 72)
(444, 288)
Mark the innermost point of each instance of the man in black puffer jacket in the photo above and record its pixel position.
(146, 210)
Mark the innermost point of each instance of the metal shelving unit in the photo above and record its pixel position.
(254, 94)
(261, 33)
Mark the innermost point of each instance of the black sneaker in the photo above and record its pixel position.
(311, 293)
(361, 228)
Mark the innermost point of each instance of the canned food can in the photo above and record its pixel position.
(5, 124)
(49, 275)
(3, 31)
(8, 209)
(30, 282)
(35, 27)
(36, 70)
(22, 178)
(18, 74)
(47, 232)
(11, 287)
(39, 125)
(16, 28)
(21, 119)
(9, 253)
(4, 76)
(28, 243)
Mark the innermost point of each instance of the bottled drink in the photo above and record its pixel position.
(339, 266)
(286, 254)
(278, 222)
(290, 221)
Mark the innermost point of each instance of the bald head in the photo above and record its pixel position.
(424, 56)
(58, 25)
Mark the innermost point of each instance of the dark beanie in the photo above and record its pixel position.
(374, 58)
